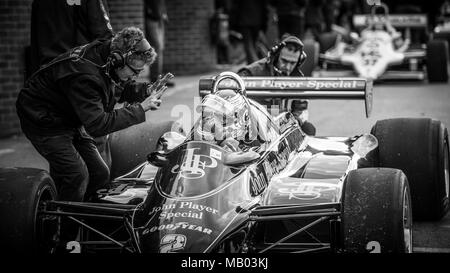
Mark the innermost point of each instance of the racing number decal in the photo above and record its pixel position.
(73, 2)
(73, 247)
(172, 242)
(373, 247)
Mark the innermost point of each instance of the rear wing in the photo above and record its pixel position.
(396, 20)
(299, 88)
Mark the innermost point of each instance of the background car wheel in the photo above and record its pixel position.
(23, 192)
(437, 59)
(418, 147)
(311, 49)
(376, 215)
(327, 40)
(130, 147)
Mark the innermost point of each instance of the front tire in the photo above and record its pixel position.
(376, 215)
(420, 148)
(437, 59)
(23, 193)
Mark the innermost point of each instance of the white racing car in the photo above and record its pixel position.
(381, 52)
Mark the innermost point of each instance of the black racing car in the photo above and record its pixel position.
(270, 189)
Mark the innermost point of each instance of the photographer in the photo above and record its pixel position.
(71, 99)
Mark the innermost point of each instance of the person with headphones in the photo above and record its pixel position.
(70, 100)
(283, 60)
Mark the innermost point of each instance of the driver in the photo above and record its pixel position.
(283, 60)
(225, 121)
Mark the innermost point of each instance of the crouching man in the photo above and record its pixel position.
(71, 100)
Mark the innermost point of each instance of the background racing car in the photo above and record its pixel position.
(381, 52)
(280, 191)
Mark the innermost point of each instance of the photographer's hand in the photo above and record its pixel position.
(151, 103)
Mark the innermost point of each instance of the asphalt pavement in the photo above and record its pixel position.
(332, 118)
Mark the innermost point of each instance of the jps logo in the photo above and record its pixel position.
(73, 2)
(172, 242)
(194, 165)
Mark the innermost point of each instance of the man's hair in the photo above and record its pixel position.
(293, 46)
(126, 41)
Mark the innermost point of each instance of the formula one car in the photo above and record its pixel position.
(250, 182)
(381, 52)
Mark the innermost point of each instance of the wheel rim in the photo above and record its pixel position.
(44, 234)
(407, 222)
(446, 170)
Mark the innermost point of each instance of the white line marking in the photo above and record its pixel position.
(6, 151)
(431, 249)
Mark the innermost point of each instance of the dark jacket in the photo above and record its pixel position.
(73, 92)
(249, 13)
(289, 7)
(57, 26)
(265, 67)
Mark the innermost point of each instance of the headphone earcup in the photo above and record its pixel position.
(302, 58)
(116, 59)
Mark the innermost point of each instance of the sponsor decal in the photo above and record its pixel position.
(306, 191)
(296, 84)
(172, 242)
(176, 226)
(194, 165)
(215, 154)
(258, 182)
(183, 210)
(310, 84)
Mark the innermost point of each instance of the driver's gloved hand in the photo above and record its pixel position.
(134, 92)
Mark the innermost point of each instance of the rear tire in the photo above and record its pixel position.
(437, 59)
(327, 40)
(130, 147)
(376, 215)
(418, 147)
(23, 192)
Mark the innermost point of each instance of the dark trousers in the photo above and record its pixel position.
(250, 35)
(155, 34)
(75, 164)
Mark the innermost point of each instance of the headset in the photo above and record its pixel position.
(117, 59)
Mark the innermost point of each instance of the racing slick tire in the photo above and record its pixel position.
(420, 148)
(130, 147)
(327, 40)
(23, 192)
(311, 49)
(376, 215)
(437, 59)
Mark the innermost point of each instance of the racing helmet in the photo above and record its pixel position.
(223, 115)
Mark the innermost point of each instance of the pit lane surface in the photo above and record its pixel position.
(332, 118)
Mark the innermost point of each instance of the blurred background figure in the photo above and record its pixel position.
(249, 17)
(291, 16)
(319, 17)
(220, 30)
(155, 16)
(57, 26)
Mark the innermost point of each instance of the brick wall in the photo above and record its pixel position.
(188, 48)
(14, 33)
(126, 13)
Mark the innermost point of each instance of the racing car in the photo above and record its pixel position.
(381, 52)
(264, 187)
